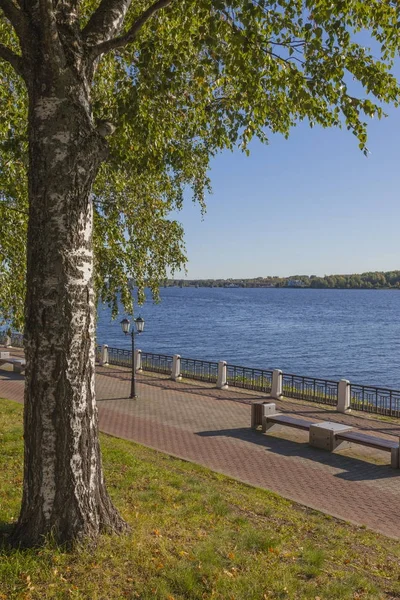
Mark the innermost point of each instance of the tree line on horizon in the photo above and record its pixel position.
(368, 280)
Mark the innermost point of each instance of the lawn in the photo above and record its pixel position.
(195, 535)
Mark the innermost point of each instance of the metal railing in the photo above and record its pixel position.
(120, 357)
(366, 398)
(203, 370)
(97, 352)
(250, 379)
(309, 388)
(17, 340)
(158, 363)
(377, 400)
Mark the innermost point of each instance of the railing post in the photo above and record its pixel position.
(277, 384)
(104, 355)
(176, 368)
(343, 404)
(138, 361)
(221, 379)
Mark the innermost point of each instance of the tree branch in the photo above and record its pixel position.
(14, 15)
(106, 21)
(48, 22)
(14, 59)
(50, 31)
(127, 38)
(242, 31)
(22, 212)
(66, 11)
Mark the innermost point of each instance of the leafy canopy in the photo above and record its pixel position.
(201, 76)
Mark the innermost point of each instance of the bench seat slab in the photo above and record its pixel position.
(372, 441)
(281, 419)
(368, 440)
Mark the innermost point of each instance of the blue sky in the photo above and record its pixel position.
(312, 204)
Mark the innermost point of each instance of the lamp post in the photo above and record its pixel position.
(126, 328)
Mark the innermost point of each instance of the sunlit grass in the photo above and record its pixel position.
(195, 535)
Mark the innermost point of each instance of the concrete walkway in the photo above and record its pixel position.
(212, 427)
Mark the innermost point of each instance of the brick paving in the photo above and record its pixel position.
(211, 427)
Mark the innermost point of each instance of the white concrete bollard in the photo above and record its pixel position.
(104, 355)
(277, 384)
(176, 368)
(221, 379)
(343, 404)
(138, 361)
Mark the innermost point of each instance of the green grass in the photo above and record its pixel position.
(195, 535)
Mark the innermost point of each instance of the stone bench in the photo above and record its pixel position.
(371, 441)
(18, 364)
(325, 435)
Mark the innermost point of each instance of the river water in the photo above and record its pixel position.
(332, 334)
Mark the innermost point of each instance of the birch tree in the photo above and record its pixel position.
(110, 111)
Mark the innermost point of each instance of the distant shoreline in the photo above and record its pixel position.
(274, 287)
(371, 280)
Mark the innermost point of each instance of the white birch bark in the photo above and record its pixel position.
(64, 492)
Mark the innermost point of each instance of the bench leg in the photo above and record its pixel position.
(340, 444)
(395, 459)
(268, 409)
(266, 426)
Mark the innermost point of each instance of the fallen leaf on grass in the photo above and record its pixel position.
(228, 573)
(157, 533)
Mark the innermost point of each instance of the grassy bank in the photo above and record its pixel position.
(195, 535)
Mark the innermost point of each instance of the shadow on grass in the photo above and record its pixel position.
(352, 469)
(6, 529)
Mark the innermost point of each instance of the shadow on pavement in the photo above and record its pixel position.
(209, 392)
(116, 398)
(363, 422)
(353, 469)
(10, 375)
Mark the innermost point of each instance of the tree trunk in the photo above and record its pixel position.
(64, 492)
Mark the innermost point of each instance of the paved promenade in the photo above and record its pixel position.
(212, 427)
